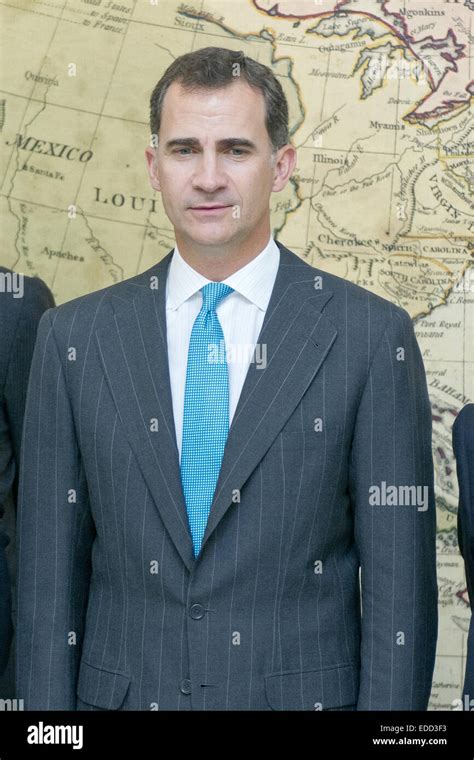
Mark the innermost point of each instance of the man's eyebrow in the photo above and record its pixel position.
(193, 142)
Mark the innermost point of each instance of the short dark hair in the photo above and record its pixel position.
(214, 67)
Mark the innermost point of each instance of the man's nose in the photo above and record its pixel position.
(209, 175)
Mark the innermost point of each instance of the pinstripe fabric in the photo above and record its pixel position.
(463, 449)
(115, 612)
(19, 318)
(206, 412)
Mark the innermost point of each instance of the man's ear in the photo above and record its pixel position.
(150, 154)
(285, 162)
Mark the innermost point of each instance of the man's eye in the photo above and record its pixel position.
(240, 151)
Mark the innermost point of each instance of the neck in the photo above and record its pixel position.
(220, 261)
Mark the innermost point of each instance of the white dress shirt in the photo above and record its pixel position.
(241, 315)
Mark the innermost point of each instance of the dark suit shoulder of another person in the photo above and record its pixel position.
(20, 311)
(19, 318)
(463, 448)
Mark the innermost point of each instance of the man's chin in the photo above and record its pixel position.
(211, 238)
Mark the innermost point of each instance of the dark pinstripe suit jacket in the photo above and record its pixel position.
(115, 612)
(463, 447)
(19, 319)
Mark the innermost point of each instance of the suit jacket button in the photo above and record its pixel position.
(185, 686)
(197, 611)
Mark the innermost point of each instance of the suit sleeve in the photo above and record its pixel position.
(36, 300)
(7, 473)
(6, 627)
(55, 532)
(19, 351)
(463, 449)
(392, 494)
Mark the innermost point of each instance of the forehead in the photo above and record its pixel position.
(237, 105)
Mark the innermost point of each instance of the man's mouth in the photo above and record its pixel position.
(209, 207)
(212, 210)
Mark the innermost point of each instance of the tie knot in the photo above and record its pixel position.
(213, 293)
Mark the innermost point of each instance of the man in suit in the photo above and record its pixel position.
(206, 514)
(23, 300)
(463, 448)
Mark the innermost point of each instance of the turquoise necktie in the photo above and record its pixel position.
(206, 411)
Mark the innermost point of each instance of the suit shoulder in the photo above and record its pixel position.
(343, 291)
(37, 299)
(23, 300)
(23, 293)
(463, 429)
(353, 299)
(99, 305)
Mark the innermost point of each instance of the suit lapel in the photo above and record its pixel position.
(297, 338)
(134, 354)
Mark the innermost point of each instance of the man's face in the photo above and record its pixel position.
(214, 150)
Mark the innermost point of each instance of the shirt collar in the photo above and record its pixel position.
(254, 281)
